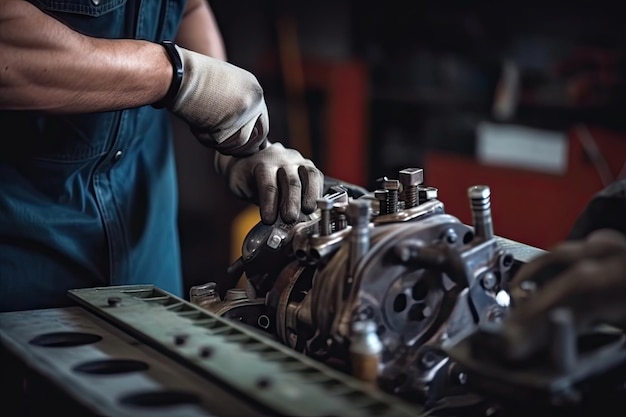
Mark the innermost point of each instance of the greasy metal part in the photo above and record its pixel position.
(359, 214)
(341, 221)
(425, 194)
(480, 203)
(240, 357)
(414, 213)
(110, 372)
(325, 206)
(420, 275)
(365, 351)
(393, 194)
(204, 295)
(382, 196)
(321, 247)
(410, 178)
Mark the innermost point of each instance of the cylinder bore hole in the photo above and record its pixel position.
(65, 339)
(111, 366)
(399, 303)
(160, 399)
(419, 312)
(419, 291)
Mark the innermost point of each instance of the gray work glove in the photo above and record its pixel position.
(222, 103)
(586, 277)
(278, 179)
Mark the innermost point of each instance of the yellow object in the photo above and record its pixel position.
(241, 226)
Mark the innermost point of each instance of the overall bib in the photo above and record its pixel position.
(90, 200)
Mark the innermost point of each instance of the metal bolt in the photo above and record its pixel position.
(425, 194)
(480, 202)
(325, 206)
(341, 220)
(489, 280)
(451, 236)
(393, 188)
(274, 241)
(381, 196)
(358, 212)
(410, 178)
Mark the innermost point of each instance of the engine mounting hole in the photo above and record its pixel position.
(468, 237)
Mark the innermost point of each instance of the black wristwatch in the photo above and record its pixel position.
(177, 76)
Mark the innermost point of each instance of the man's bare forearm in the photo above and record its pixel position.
(44, 65)
(199, 30)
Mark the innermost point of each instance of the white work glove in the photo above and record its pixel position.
(222, 103)
(278, 179)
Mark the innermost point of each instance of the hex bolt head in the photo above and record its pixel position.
(381, 196)
(359, 211)
(411, 176)
(451, 236)
(479, 192)
(324, 204)
(391, 185)
(489, 280)
(427, 193)
(274, 241)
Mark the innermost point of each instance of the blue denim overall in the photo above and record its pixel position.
(90, 200)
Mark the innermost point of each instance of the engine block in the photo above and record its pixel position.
(374, 282)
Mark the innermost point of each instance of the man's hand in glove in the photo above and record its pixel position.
(222, 103)
(587, 277)
(280, 180)
(225, 108)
